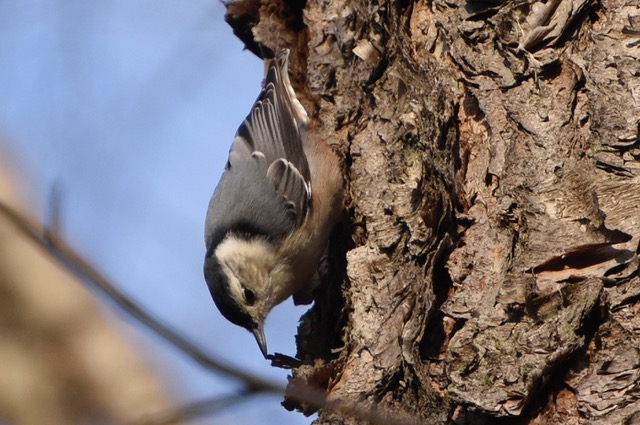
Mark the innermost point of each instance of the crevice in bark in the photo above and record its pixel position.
(482, 143)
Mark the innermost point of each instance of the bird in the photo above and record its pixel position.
(271, 215)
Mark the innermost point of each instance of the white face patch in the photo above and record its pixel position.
(248, 263)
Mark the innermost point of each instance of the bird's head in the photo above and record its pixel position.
(239, 274)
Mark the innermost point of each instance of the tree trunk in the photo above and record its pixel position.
(488, 267)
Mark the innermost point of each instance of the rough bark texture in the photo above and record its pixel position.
(491, 156)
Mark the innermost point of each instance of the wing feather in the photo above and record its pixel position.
(275, 128)
(288, 180)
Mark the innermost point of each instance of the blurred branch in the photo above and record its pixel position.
(88, 273)
(81, 267)
(56, 201)
(198, 409)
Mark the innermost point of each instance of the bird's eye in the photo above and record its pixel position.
(249, 296)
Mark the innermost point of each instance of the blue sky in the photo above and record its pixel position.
(129, 106)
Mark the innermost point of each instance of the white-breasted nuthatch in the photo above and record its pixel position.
(271, 215)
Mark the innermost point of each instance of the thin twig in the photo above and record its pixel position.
(197, 409)
(297, 390)
(88, 273)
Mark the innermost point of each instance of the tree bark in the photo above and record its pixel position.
(488, 268)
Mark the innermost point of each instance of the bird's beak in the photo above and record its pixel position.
(258, 332)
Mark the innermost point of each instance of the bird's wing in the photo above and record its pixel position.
(275, 128)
